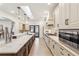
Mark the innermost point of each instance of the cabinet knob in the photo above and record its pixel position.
(53, 46)
(61, 48)
(68, 54)
(61, 53)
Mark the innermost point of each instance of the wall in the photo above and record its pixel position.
(13, 18)
(34, 22)
(6, 24)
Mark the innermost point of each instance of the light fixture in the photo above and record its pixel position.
(25, 17)
(18, 14)
(27, 11)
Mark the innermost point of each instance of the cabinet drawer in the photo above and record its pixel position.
(67, 53)
(64, 52)
(55, 49)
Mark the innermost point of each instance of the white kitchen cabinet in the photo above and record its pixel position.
(73, 12)
(78, 10)
(64, 51)
(61, 16)
(67, 53)
(57, 49)
(68, 11)
(65, 13)
(74, 15)
(54, 47)
(56, 16)
(51, 46)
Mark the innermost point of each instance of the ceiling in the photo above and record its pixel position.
(38, 9)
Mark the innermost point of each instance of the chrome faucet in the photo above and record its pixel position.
(8, 35)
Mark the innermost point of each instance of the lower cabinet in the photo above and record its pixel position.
(25, 50)
(65, 52)
(54, 47)
(22, 51)
(57, 49)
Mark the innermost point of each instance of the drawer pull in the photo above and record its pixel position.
(61, 53)
(53, 46)
(69, 55)
(61, 48)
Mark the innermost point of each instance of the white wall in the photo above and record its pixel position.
(6, 24)
(34, 22)
(11, 17)
(40, 23)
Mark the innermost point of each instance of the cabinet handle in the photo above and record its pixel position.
(69, 55)
(61, 53)
(53, 46)
(61, 48)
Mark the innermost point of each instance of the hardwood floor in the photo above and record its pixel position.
(39, 48)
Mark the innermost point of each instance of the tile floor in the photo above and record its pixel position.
(39, 48)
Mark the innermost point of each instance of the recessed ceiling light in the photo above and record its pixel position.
(12, 11)
(27, 11)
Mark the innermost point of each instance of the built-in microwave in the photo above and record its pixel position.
(70, 37)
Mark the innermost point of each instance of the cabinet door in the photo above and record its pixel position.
(78, 10)
(74, 12)
(61, 50)
(56, 16)
(55, 48)
(64, 52)
(61, 15)
(67, 53)
(67, 10)
(51, 46)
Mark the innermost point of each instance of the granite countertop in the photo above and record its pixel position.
(66, 46)
(15, 45)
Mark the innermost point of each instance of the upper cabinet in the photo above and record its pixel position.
(73, 12)
(68, 15)
(56, 11)
(61, 15)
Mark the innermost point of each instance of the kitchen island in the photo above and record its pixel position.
(17, 47)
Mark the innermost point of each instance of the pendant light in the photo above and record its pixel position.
(19, 13)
